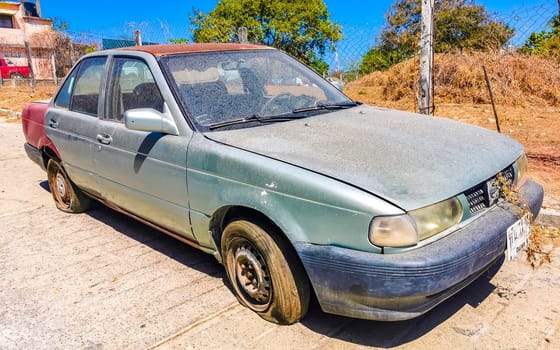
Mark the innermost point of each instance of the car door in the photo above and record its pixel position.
(71, 122)
(143, 173)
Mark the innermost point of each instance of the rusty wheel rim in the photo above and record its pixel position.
(61, 190)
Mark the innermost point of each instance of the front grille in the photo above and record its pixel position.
(476, 198)
(485, 194)
(508, 174)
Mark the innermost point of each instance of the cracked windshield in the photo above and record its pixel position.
(249, 88)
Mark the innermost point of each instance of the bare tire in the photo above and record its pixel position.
(265, 273)
(66, 195)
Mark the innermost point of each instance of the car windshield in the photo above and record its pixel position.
(248, 88)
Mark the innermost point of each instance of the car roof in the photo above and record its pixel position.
(171, 49)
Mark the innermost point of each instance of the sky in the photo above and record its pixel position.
(361, 21)
(109, 15)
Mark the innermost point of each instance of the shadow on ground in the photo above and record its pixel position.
(154, 239)
(362, 332)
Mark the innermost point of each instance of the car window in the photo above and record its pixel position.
(62, 100)
(132, 85)
(85, 97)
(219, 87)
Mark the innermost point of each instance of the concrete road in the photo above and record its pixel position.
(100, 280)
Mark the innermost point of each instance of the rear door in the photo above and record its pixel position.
(142, 172)
(71, 123)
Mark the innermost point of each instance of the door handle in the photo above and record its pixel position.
(104, 139)
(53, 123)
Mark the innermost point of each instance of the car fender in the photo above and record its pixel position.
(297, 200)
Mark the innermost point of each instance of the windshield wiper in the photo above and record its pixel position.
(281, 117)
(319, 107)
(251, 119)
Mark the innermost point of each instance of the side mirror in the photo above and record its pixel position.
(150, 120)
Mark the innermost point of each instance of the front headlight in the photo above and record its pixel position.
(406, 230)
(521, 165)
(437, 218)
(393, 231)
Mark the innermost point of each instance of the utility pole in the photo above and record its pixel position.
(425, 97)
(30, 64)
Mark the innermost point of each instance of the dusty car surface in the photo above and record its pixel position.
(247, 154)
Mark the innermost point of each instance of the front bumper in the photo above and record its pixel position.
(405, 285)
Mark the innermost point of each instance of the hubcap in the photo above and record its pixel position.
(60, 185)
(252, 275)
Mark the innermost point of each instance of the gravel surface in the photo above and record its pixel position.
(100, 280)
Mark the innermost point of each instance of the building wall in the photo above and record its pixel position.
(12, 40)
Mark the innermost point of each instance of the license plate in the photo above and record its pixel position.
(518, 237)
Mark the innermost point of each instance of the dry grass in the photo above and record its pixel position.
(542, 240)
(517, 80)
(15, 97)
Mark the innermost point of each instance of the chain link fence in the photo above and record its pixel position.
(63, 51)
(529, 19)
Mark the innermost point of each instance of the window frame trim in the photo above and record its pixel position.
(109, 84)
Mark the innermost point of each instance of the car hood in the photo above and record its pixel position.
(407, 159)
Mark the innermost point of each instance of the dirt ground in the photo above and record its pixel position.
(99, 280)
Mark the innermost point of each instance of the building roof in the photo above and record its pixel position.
(108, 44)
(9, 8)
(170, 49)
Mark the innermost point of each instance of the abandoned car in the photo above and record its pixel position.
(249, 155)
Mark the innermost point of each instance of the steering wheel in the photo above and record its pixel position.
(278, 104)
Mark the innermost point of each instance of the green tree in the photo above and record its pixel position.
(545, 43)
(179, 41)
(459, 25)
(300, 27)
(379, 59)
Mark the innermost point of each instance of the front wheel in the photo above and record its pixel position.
(265, 273)
(66, 195)
(16, 76)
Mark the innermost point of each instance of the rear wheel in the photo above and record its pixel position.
(66, 195)
(17, 76)
(265, 272)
